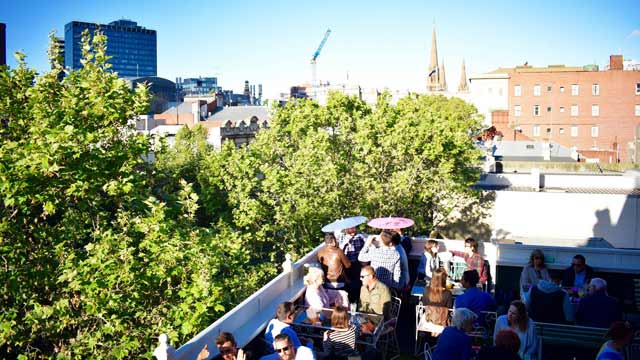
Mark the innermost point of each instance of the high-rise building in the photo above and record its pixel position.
(133, 48)
(198, 86)
(3, 44)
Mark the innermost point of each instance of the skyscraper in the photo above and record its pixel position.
(3, 45)
(133, 48)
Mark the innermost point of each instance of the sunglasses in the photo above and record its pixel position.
(364, 276)
(286, 348)
(537, 258)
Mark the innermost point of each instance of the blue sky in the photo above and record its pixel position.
(378, 43)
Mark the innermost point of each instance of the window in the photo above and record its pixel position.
(490, 91)
(517, 90)
(548, 131)
(637, 110)
(637, 88)
(561, 89)
(574, 110)
(575, 90)
(574, 131)
(561, 131)
(549, 88)
(595, 110)
(561, 109)
(536, 90)
(536, 130)
(499, 91)
(536, 110)
(548, 108)
(595, 89)
(594, 131)
(517, 110)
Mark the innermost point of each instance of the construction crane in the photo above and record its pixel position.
(314, 58)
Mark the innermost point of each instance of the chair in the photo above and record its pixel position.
(428, 351)
(394, 309)
(387, 336)
(490, 320)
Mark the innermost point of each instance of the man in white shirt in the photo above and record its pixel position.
(286, 351)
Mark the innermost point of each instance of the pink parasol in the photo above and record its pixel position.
(390, 223)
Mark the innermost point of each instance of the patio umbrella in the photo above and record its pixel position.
(342, 224)
(390, 223)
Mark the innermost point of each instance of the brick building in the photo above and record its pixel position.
(596, 113)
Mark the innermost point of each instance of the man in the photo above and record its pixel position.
(396, 240)
(598, 309)
(374, 295)
(473, 298)
(472, 258)
(227, 346)
(282, 324)
(351, 243)
(578, 274)
(547, 302)
(384, 259)
(286, 351)
(333, 262)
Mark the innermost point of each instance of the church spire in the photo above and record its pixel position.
(442, 77)
(463, 87)
(433, 77)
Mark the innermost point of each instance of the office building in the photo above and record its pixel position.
(3, 44)
(198, 86)
(133, 49)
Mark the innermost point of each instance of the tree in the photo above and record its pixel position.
(94, 264)
(317, 163)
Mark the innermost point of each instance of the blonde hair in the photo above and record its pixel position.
(312, 275)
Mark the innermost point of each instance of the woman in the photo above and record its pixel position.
(534, 271)
(518, 321)
(317, 296)
(620, 334)
(430, 260)
(454, 343)
(341, 341)
(437, 300)
(506, 348)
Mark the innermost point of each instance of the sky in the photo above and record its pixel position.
(375, 44)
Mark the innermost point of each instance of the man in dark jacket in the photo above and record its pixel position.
(578, 274)
(598, 309)
(547, 302)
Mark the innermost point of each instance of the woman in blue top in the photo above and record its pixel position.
(454, 343)
(518, 321)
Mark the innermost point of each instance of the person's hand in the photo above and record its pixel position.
(204, 353)
(369, 240)
(241, 355)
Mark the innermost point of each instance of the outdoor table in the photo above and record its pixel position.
(314, 322)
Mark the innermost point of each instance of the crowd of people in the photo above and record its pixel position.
(366, 272)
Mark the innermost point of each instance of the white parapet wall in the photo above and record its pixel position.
(246, 320)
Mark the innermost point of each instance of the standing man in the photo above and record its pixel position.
(578, 274)
(351, 243)
(473, 258)
(334, 262)
(385, 259)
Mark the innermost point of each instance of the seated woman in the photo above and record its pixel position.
(437, 300)
(506, 348)
(341, 341)
(620, 334)
(429, 261)
(317, 296)
(454, 343)
(534, 271)
(518, 321)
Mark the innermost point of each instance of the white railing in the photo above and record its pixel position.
(246, 320)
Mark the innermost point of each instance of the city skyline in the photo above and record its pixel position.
(373, 44)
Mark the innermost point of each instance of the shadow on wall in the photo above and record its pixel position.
(625, 232)
(471, 219)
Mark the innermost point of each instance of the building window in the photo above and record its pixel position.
(561, 131)
(517, 110)
(595, 110)
(561, 109)
(536, 130)
(595, 89)
(499, 91)
(594, 131)
(517, 90)
(574, 110)
(637, 110)
(490, 91)
(549, 88)
(536, 90)
(561, 89)
(548, 131)
(536, 110)
(575, 90)
(548, 108)
(574, 131)
(637, 88)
